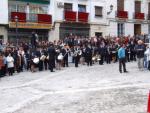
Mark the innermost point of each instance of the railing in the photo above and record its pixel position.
(31, 17)
(83, 16)
(122, 14)
(21, 17)
(70, 16)
(139, 16)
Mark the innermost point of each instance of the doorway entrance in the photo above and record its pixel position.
(137, 29)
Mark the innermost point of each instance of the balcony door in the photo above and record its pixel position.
(82, 8)
(137, 29)
(120, 5)
(138, 6)
(68, 7)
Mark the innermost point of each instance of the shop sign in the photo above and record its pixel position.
(29, 25)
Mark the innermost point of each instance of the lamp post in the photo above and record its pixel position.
(16, 20)
(111, 9)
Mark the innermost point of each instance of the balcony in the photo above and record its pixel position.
(70, 16)
(140, 16)
(35, 18)
(44, 18)
(83, 17)
(122, 14)
(21, 16)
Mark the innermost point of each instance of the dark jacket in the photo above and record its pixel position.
(140, 49)
(51, 53)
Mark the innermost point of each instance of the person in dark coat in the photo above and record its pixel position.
(40, 64)
(33, 40)
(88, 56)
(52, 54)
(45, 52)
(76, 55)
(140, 49)
(102, 52)
(108, 54)
(64, 52)
(132, 50)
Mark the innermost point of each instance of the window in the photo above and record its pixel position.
(34, 9)
(137, 6)
(37, 9)
(12, 7)
(82, 8)
(98, 11)
(121, 29)
(43, 10)
(21, 8)
(68, 7)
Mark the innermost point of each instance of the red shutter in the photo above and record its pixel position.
(44, 18)
(70, 16)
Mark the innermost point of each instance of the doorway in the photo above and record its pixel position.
(98, 34)
(137, 29)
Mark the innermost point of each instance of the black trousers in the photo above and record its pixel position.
(40, 65)
(102, 60)
(76, 59)
(122, 62)
(10, 71)
(133, 56)
(51, 64)
(108, 58)
(65, 63)
(45, 64)
(89, 60)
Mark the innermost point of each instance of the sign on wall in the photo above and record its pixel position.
(29, 25)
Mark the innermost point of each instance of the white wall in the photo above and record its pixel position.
(129, 29)
(111, 29)
(144, 28)
(3, 11)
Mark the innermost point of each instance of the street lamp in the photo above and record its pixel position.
(111, 9)
(16, 20)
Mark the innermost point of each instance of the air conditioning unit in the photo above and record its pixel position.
(60, 5)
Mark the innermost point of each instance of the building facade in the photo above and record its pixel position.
(99, 18)
(78, 17)
(57, 19)
(129, 17)
(27, 17)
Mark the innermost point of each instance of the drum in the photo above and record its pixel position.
(43, 57)
(60, 57)
(36, 60)
(47, 57)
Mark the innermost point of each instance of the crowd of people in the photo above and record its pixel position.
(44, 55)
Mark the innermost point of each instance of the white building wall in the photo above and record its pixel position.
(111, 30)
(129, 29)
(144, 29)
(4, 12)
(129, 6)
